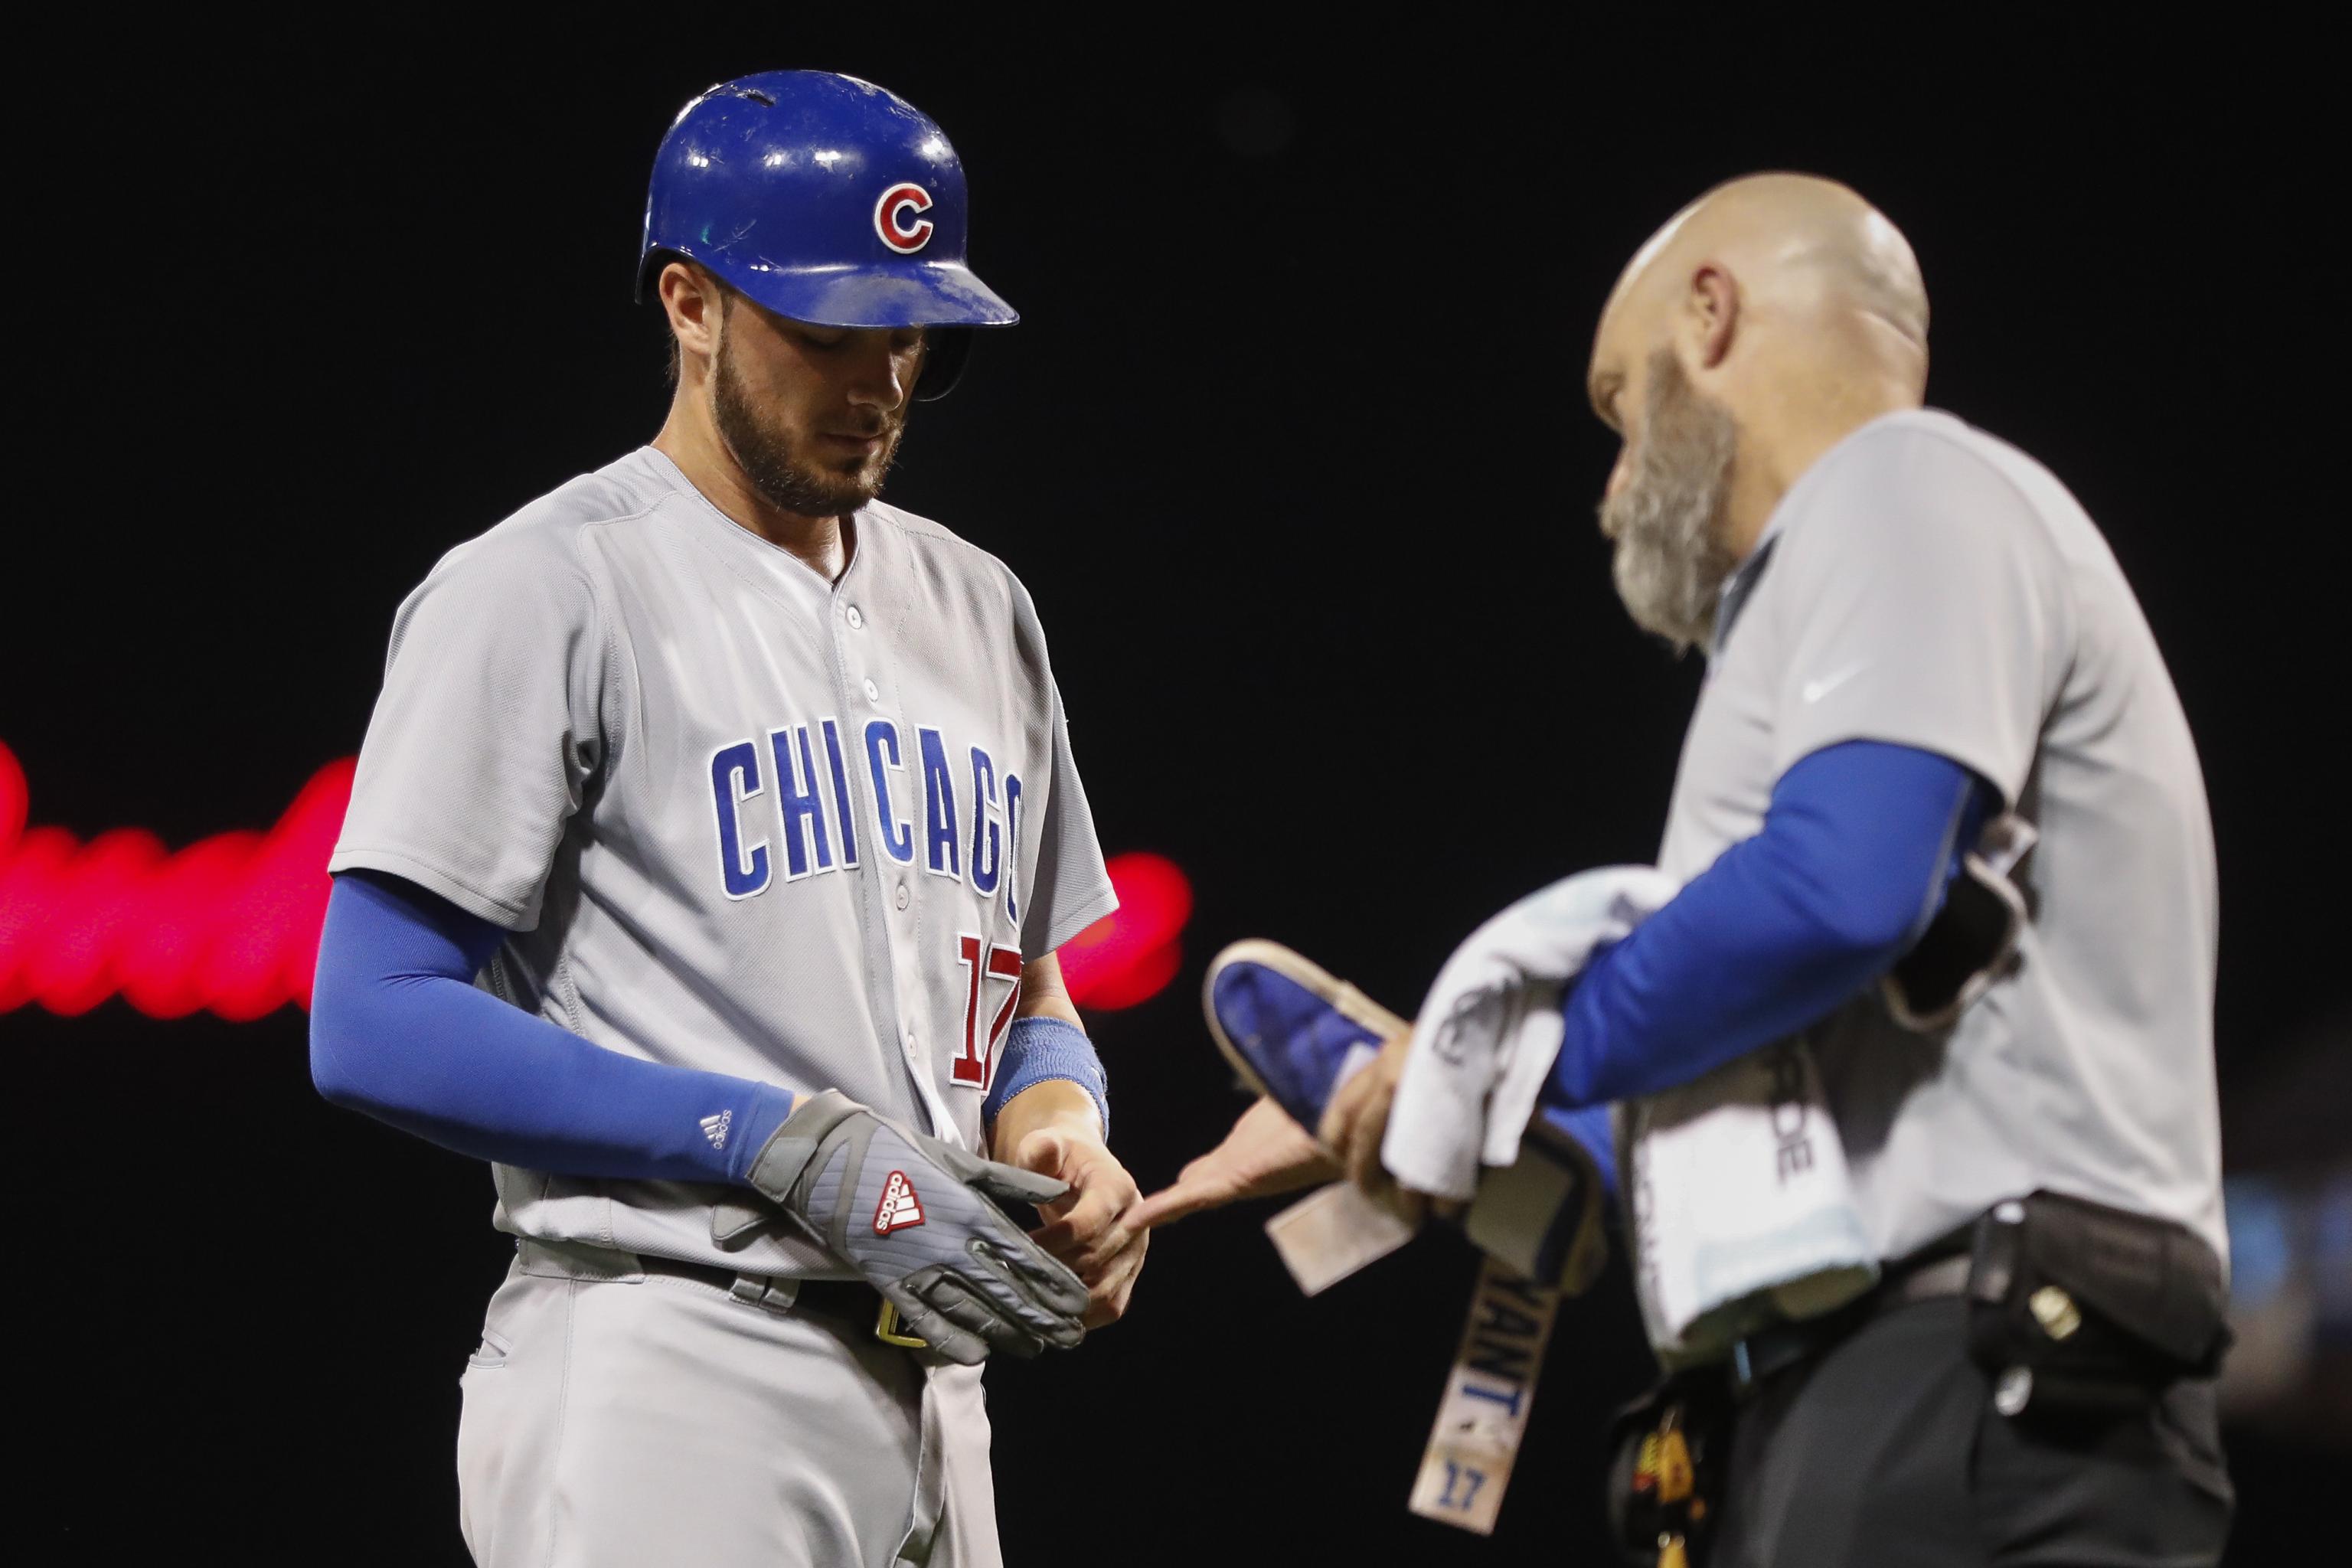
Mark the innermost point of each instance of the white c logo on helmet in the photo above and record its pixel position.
(890, 216)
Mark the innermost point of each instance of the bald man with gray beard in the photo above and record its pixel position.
(1939, 815)
(1938, 818)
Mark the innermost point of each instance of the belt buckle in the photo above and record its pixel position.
(885, 1329)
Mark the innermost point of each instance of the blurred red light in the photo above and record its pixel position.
(1130, 956)
(231, 922)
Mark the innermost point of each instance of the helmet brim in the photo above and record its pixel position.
(911, 293)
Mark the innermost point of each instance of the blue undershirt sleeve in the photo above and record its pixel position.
(1037, 1048)
(1857, 850)
(399, 1031)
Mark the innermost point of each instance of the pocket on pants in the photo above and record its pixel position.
(496, 1346)
(2111, 1490)
(491, 1354)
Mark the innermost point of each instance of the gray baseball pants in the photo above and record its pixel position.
(619, 1419)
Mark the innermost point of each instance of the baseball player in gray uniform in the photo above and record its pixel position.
(710, 848)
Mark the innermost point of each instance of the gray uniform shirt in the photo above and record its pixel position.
(1928, 586)
(737, 818)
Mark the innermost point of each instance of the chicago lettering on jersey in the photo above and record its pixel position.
(784, 808)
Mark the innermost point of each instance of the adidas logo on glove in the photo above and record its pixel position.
(899, 1207)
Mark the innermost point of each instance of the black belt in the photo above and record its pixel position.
(852, 1301)
(1927, 1276)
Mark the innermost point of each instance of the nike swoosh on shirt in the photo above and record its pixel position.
(1814, 691)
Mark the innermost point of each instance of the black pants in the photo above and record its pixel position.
(1887, 1452)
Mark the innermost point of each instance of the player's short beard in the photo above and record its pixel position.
(1668, 521)
(789, 480)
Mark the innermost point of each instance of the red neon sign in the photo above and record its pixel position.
(231, 922)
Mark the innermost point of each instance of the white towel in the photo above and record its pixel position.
(1490, 1029)
(1740, 1207)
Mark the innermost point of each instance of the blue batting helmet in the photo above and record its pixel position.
(825, 199)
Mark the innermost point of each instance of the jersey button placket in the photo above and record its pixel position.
(911, 1002)
(857, 619)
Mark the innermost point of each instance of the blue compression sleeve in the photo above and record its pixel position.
(1039, 1049)
(398, 1030)
(1856, 853)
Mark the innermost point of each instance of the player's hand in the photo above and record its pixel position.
(1087, 1228)
(1267, 1152)
(1358, 1118)
(918, 1220)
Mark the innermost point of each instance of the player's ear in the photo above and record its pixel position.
(690, 298)
(1710, 313)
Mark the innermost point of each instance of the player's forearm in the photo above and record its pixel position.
(398, 1031)
(1048, 1073)
(1854, 859)
(1056, 1104)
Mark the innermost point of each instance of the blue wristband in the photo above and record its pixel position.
(1037, 1049)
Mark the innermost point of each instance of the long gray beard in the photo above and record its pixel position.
(1671, 562)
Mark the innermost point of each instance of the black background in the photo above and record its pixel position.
(1291, 450)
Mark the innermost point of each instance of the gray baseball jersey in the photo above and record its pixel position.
(1928, 586)
(736, 819)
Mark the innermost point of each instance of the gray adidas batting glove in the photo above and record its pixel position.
(914, 1215)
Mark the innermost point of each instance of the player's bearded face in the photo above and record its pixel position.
(1668, 518)
(782, 450)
